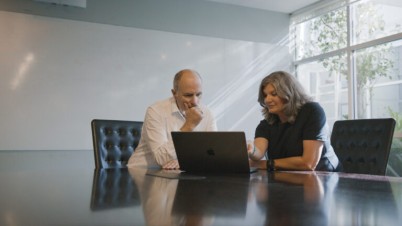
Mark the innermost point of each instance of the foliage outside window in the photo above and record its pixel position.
(350, 59)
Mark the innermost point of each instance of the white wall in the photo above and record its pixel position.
(57, 75)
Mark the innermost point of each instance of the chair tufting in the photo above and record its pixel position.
(363, 145)
(114, 141)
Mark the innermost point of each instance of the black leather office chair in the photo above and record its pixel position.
(363, 145)
(114, 141)
(113, 188)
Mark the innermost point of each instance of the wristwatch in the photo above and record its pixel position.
(270, 165)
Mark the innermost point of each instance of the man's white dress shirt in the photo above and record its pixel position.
(156, 146)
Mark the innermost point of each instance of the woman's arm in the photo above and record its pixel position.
(256, 152)
(312, 150)
(257, 149)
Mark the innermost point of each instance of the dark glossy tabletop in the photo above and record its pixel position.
(122, 197)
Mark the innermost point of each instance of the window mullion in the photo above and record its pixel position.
(352, 91)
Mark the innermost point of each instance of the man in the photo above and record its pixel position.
(182, 112)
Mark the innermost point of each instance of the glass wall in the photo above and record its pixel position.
(348, 55)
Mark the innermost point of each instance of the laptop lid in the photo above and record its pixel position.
(212, 152)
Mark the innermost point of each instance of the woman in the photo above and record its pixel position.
(294, 132)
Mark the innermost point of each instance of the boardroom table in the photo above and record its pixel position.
(128, 196)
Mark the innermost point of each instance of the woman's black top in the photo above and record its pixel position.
(286, 139)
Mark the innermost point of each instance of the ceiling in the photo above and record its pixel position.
(283, 6)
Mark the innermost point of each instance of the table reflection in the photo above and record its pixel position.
(360, 201)
(157, 195)
(321, 198)
(191, 201)
(113, 188)
(88, 197)
(277, 198)
(213, 197)
(303, 196)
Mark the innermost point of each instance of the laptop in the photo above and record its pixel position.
(218, 152)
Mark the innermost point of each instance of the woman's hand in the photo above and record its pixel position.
(256, 149)
(250, 148)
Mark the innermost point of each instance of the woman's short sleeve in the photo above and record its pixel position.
(262, 130)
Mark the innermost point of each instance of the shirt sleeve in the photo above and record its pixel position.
(211, 122)
(262, 130)
(315, 127)
(157, 137)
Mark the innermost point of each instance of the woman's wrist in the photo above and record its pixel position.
(251, 155)
(271, 164)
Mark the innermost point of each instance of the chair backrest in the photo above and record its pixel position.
(363, 145)
(114, 141)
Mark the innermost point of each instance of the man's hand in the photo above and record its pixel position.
(193, 115)
(171, 165)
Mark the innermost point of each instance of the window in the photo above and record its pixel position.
(348, 55)
(375, 19)
(322, 34)
(329, 87)
(379, 80)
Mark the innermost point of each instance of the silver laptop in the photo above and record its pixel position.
(218, 152)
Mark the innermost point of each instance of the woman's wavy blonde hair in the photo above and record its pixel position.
(287, 88)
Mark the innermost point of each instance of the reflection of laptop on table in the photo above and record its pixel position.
(212, 197)
(202, 153)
